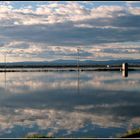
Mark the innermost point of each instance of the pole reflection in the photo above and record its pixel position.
(125, 73)
(5, 81)
(78, 82)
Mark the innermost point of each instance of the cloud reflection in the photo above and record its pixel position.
(50, 102)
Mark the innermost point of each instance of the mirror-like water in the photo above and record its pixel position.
(69, 104)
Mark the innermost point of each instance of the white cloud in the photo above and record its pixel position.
(69, 25)
(108, 11)
(57, 13)
(134, 11)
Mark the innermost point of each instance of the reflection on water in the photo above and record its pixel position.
(78, 81)
(69, 104)
(125, 73)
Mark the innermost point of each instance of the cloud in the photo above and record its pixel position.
(71, 35)
(75, 32)
(68, 25)
(41, 51)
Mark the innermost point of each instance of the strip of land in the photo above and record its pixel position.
(65, 68)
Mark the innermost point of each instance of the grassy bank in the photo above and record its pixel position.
(38, 136)
(132, 134)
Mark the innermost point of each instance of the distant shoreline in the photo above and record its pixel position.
(49, 69)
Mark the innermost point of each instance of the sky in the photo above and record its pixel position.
(52, 30)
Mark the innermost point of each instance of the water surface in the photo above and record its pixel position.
(69, 104)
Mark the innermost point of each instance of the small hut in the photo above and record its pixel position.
(125, 69)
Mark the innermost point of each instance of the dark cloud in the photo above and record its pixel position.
(128, 20)
(66, 34)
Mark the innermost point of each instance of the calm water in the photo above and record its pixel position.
(69, 104)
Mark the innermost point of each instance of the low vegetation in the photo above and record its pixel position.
(132, 134)
(38, 136)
